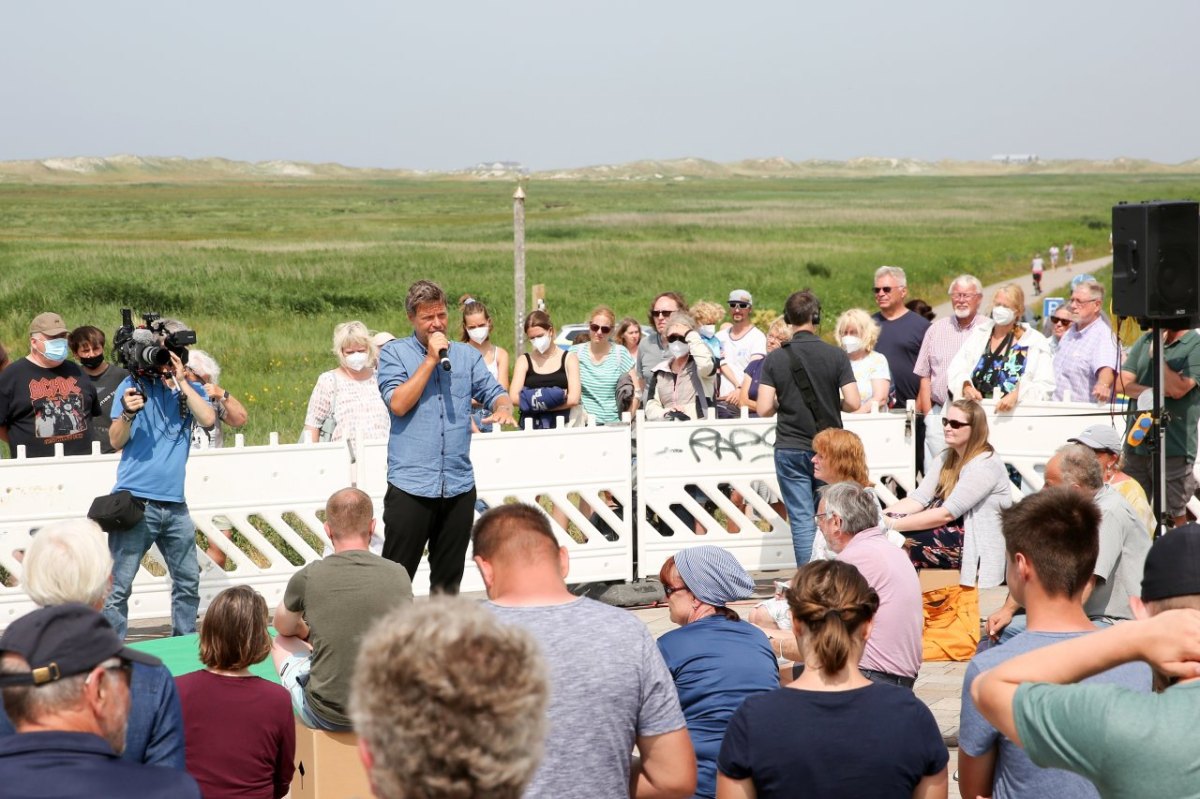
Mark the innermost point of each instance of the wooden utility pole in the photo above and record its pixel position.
(519, 270)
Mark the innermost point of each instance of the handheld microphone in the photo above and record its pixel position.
(444, 358)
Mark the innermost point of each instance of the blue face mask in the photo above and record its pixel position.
(55, 349)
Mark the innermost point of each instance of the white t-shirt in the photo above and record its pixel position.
(872, 366)
(738, 352)
(1039, 266)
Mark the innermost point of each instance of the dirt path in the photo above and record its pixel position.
(1052, 279)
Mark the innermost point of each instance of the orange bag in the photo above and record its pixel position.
(951, 623)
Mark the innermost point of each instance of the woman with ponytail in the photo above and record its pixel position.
(832, 733)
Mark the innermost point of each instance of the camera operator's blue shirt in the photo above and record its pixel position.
(429, 449)
(154, 459)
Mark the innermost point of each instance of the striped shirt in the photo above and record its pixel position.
(598, 381)
(941, 344)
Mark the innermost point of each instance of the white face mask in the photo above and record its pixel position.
(541, 343)
(708, 331)
(479, 334)
(851, 344)
(1003, 316)
(678, 349)
(356, 360)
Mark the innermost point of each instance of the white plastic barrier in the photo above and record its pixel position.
(283, 488)
(539, 467)
(678, 461)
(1028, 438)
(262, 484)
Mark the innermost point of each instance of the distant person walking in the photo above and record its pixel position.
(1037, 268)
(1054, 256)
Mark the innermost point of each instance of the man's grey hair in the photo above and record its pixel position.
(1094, 288)
(894, 272)
(68, 561)
(30, 703)
(681, 318)
(966, 280)
(421, 293)
(854, 504)
(204, 365)
(450, 701)
(1080, 466)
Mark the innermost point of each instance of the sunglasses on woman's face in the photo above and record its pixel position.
(1054, 320)
(603, 330)
(954, 424)
(676, 337)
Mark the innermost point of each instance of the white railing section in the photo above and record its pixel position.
(701, 467)
(554, 469)
(281, 488)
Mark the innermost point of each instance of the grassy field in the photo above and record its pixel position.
(264, 271)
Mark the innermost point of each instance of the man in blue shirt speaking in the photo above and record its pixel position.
(428, 385)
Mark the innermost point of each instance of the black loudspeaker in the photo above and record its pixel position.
(1156, 260)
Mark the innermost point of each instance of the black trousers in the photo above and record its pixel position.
(443, 523)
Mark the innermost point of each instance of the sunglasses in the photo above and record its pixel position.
(601, 329)
(671, 589)
(1054, 320)
(954, 424)
(883, 289)
(741, 306)
(661, 313)
(675, 337)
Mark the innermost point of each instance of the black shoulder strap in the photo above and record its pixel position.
(804, 383)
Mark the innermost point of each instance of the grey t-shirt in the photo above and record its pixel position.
(828, 369)
(1123, 548)
(608, 686)
(1015, 775)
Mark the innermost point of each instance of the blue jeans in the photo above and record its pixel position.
(169, 525)
(794, 469)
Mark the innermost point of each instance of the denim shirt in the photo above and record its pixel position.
(429, 448)
(155, 732)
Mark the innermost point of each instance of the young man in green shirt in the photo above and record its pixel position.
(1127, 744)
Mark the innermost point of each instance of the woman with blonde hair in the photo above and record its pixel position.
(601, 366)
(857, 334)
(1003, 354)
(345, 402)
(793, 741)
(952, 519)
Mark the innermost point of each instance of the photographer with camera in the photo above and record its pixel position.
(153, 416)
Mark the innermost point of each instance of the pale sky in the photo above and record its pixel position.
(556, 83)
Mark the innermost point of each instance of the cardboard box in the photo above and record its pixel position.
(933, 579)
(328, 766)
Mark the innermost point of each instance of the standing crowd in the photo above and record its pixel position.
(539, 692)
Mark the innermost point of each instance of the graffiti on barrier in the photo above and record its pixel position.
(739, 443)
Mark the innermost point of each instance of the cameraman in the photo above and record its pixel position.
(153, 430)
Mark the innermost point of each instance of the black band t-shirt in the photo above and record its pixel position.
(42, 407)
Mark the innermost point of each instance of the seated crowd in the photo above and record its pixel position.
(540, 692)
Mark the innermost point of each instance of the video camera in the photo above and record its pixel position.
(146, 349)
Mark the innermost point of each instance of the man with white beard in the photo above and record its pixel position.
(942, 341)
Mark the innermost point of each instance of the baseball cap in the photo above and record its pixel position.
(1173, 564)
(62, 641)
(48, 324)
(741, 295)
(1099, 436)
(713, 575)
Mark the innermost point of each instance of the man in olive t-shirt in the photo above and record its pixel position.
(326, 609)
